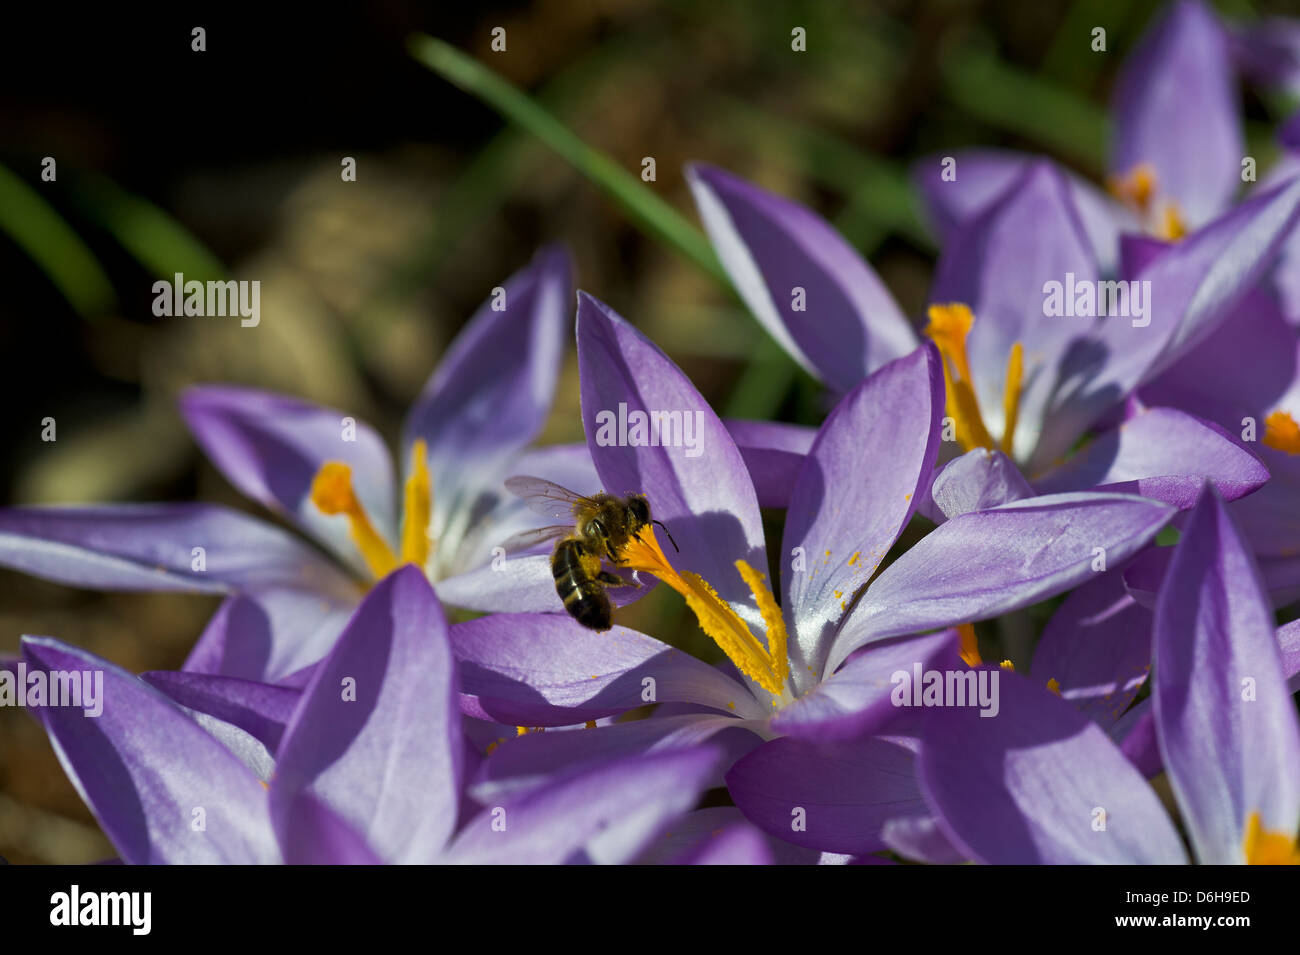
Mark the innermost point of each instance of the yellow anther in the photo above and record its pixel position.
(1008, 665)
(521, 731)
(716, 618)
(948, 328)
(1054, 685)
(1281, 432)
(1268, 848)
(1135, 188)
(417, 505)
(1011, 396)
(1171, 227)
(970, 647)
(772, 619)
(590, 724)
(331, 492)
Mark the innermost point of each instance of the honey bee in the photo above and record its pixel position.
(600, 527)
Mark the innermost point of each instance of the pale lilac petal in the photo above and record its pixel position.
(697, 829)
(698, 486)
(986, 563)
(1225, 719)
(269, 634)
(607, 814)
(771, 247)
(1176, 107)
(976, 481)
(315, 835)
(832, 796)
(523, 763)
(922, 840)
(1160, 453)
(1035, 783)
(1097, 646)
(738, 844)
(1196, 285)
(260, 709)
(492, 391)
(856, 492)
(151, 547)
(984, 175)
(549, 670)
(1209, 381)
(377, 734)
(163, 789)
(270, 447)
(773, 454)
(1000, 265)
(854, 701)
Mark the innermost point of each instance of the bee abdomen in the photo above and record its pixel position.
(584, 598)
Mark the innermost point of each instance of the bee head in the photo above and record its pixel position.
(639, 508)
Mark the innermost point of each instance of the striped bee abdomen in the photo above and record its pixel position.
(575, 569)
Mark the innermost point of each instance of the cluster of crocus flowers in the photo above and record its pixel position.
(1044, 455)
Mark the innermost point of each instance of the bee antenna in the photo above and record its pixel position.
(669, 533)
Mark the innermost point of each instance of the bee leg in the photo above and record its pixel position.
(614, 580)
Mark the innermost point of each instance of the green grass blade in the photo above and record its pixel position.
(646, 209)
(53, 245)
(151, 236)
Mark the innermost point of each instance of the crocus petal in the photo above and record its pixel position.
(831, 796)
(697, 829)
(1208, 381)
(922, 840)
(854, 701)
(492, 391)
(738, 844)
(773, 454)
(260, 709)
(976, 481)
(1162, 454)
(700, 488)
(151, 547)
(377, 734)
(1288, 643)
(268, 634)
(607, 814)
(523, 763)
(1029, 785)
(1267, 51)
(315, 835)
(848, 324)
(1000, 265)
(1135, 732)
(548, 670)
(498, 515)
(270, 447)
(1224, 716)
(1097, 646)
(855, 493)
(1196, 285)
(983, 176)
(986, 563)
(148, 771)
(1175, 107)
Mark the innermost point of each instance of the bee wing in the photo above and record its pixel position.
(546, 497)
(531, 538)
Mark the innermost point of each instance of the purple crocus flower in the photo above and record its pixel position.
(1020, 378)
(1176, 155)
(1042, 783)
(332, 477)
(818, 674)
(369, 762)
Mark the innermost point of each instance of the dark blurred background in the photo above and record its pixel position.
(226, 163)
